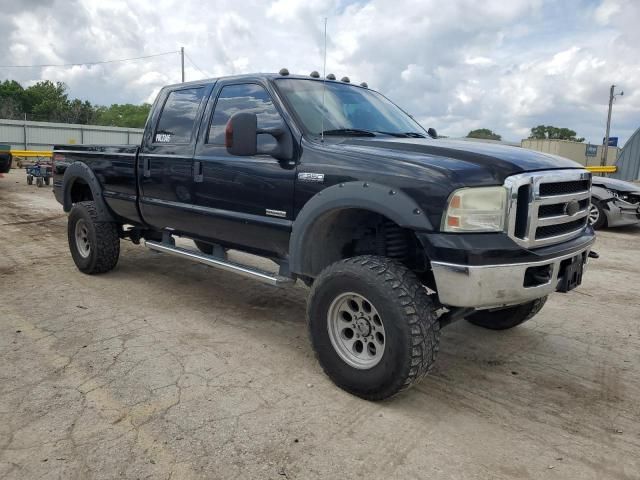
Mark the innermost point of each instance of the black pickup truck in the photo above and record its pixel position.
(397, 232)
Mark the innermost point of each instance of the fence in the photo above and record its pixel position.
(28, 135)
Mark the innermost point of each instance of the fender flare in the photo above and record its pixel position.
(389, 202)
(79, 170)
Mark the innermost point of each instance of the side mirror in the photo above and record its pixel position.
(432, 132)
(241, 137)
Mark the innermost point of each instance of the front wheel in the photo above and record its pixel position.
(39, 182)
(29, 179)
(94, 245)
(597, 216)
(372, 326)
(506, 318)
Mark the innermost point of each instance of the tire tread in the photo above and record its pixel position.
(419, 312)
(107, 248)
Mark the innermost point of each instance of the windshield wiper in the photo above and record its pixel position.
(403, 134)
(350, 132)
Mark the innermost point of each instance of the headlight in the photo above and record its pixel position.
(481, 209)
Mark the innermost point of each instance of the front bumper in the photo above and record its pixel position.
(497, 285)
(620, 212)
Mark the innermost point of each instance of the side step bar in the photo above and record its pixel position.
(229, 266)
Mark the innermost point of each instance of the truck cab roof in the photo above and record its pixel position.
(256, 76)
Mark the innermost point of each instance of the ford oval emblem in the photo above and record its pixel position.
(571, 208)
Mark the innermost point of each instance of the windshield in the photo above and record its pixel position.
(347, 109)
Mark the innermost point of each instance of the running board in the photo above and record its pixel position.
(227, 265)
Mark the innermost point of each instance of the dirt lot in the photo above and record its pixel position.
(167, 369)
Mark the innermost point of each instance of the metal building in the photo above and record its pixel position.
(25, 135)
(629, 159)
(583, 153)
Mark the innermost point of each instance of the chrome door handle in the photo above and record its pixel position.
(198, 177)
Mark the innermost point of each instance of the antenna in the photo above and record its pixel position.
(324, 80)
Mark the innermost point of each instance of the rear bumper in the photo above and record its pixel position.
(496, 285)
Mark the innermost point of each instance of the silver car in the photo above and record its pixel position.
(614, 203)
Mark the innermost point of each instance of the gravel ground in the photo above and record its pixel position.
(167, 369)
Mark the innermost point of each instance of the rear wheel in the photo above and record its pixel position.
(47, 180)
(94, 245)
(597, 216)
(39, 182)
(372, 326)
(506, 318)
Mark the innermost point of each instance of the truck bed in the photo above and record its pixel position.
(113, 165)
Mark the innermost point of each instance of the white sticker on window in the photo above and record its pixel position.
(163, 137)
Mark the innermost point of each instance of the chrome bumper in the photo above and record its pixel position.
(491, 286)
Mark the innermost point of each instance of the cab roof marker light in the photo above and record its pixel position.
(364, 84)
(331, 76)
(284, 72)
(314, 74)
(345, 80)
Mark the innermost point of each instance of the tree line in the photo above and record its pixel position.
(540, 132)
(47, 101)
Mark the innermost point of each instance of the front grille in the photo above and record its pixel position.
(556, 209)
(559, 229)
(548, 207)
(522, 211)
(563, 188)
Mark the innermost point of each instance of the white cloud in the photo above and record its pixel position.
(454, 65)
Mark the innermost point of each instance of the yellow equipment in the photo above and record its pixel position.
(606, 169)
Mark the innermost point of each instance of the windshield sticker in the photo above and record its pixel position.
(163, 137)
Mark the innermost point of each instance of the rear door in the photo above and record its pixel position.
(165, 165)
(245, 201)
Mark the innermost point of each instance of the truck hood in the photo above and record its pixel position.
(459, 157)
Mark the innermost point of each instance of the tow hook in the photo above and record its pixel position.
(593, 254)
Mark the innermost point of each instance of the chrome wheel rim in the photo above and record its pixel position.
(594, 214)
(82, 238)
(356, 331)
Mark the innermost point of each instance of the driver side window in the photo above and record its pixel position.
(249, 98)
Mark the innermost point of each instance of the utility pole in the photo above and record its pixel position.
(182, 66)
(605, 147)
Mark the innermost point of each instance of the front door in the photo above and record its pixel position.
(246, 201)
(165, 160)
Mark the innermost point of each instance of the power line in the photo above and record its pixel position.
(91, 63)
(194, 64)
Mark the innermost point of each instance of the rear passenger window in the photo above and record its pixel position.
(250, 98)
(178, 116)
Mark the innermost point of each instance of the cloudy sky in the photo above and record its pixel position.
(506, 65)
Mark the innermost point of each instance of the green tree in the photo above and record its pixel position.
(47, 101)
(542, 132)
(81, 112)
(484, 133)
(125, 115)
(11, 100)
